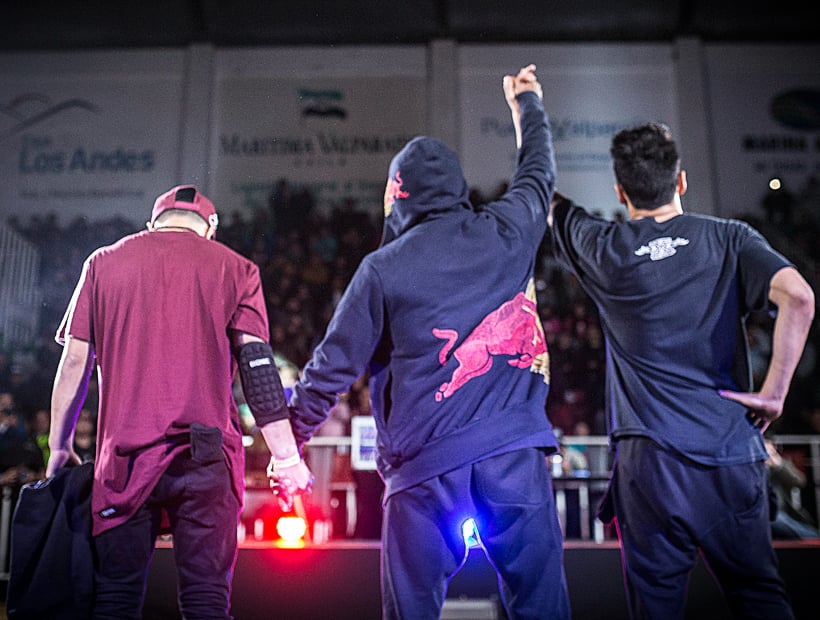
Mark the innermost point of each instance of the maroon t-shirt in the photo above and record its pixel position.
(158, 308)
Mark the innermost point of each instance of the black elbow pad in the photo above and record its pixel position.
(261, 383)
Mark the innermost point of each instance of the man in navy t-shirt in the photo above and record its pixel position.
(673, 290)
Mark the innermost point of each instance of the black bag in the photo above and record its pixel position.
(51, 573)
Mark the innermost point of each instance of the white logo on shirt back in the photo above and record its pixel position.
(661, 248)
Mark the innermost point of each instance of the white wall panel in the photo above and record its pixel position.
(91, 134)
(764, 107)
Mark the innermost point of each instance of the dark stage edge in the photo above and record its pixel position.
(340, 580)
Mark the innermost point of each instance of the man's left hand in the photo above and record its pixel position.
(288, 482)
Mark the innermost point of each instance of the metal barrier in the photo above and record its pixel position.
(809, 445)
(596, 449)
(586, 484)
(5, 531)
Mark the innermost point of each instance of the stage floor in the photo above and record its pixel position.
(340, 580)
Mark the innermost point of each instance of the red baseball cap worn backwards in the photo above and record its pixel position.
(187, 198)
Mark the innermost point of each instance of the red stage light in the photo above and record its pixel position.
(291, 530)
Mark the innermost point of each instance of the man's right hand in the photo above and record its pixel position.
(59, 458)
(526, 80)
(762, 409)
(514, 85)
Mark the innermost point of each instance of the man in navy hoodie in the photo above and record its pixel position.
(443, 317)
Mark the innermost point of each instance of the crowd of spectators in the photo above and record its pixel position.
(306, 257)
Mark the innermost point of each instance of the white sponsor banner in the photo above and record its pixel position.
(590, 93)
(91, 134)
(765, 111)
(327, 119)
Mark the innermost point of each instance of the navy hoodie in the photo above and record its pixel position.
(443, 316)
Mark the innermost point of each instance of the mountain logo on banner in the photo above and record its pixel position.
(29, 110)
(322, 104)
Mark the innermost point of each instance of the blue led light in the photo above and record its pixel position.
(469, 530)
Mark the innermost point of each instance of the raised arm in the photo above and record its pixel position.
(524, 207)
(514, 85)
(795, 311)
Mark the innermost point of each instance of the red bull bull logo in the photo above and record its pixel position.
(513, 330)
(392, 192)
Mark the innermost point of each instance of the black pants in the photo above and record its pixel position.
(669, 509)
(203, 513)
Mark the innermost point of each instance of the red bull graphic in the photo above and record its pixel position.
(392, 192)
(513, 329)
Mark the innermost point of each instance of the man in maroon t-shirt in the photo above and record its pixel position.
(169, 316)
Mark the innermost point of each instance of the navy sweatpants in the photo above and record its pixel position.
(510, 498)
(669, 508)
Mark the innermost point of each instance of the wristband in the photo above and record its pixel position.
(277, 464)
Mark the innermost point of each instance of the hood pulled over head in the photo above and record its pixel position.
(424, 177)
